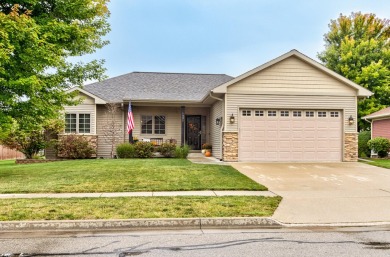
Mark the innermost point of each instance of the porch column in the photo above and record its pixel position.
(183, 125)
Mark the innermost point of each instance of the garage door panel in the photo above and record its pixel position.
(291, 138)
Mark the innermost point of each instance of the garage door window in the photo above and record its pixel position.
(246, 113)
(321, 114)
(284, 113)
(334, 114)
(297, 113)
(309, 114)
(259, 113)
(271, 113)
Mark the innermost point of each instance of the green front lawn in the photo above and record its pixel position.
(384, 163)
(120, 176)
(137, 207)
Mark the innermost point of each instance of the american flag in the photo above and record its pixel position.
(130, 120)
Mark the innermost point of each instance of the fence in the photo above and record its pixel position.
(6, 153)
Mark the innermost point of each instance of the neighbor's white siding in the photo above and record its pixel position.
(215, 131)
(87, 106)
(291, 76)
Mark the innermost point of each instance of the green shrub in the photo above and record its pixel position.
(144, 149)
(380, 145)
(74, 147)
(125, 150)
(363, 149)
(167, 149)
(182, 151)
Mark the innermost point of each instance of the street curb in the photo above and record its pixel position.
(140, 224)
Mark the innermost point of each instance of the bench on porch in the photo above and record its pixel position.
(157, 141)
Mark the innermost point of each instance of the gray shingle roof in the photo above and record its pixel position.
(157, 86)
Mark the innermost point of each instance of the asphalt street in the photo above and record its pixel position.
(362, 241)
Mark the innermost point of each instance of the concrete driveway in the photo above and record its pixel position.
(325, 192)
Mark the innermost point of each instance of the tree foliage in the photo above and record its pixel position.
(358, 48)
(37, 40)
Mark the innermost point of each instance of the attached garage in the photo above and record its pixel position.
(291, 109)
(290, 135)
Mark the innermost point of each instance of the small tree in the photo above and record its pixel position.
(112, 130)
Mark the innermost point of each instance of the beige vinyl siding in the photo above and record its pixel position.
(172, 122)
(87, 106)
(104, 147)
(291, 76)
(236, 101)
(216, 137)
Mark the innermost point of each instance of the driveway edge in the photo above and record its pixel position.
(140, 224)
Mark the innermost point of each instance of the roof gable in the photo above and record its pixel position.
(379, 114)
(294, 53)
(98, 100)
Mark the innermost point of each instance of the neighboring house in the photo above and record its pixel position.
(380, 124)
(8, 154)
(289, 109)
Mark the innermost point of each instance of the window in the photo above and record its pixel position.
(334, 114)
(284, 113)
(146, 124)
(271, 113)
(70, 123)
(84, 123)
(297, 113)
(259, 113)
(309, 114)
(159, 124)
(78, 123)
(153, 124)
(322, 114)
(246, 113)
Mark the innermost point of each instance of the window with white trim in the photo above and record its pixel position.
(153, 124)
(334, 114)
(271, 113)
(297, 113)
(322, 114)
(78, 123)
(310, 114)
(259, 113)
(284, 113)
(246, 113)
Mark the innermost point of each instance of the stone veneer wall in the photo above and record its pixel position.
(92, 139)
(350, 147)
(230, 146)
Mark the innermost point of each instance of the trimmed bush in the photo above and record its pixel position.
(125, 151)
(182, 151)
(167, 149)
(380, 145)
(74, 147)
(144, 149)
(363, 149)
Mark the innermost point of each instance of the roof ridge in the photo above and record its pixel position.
(184, 73)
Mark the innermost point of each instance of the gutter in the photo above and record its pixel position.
(223, 122)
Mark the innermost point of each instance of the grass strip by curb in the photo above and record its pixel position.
(136, 207)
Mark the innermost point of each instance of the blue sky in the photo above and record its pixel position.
(218, 36)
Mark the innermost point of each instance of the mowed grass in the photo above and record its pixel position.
(384, 163)
(136, 207)
(131, 175)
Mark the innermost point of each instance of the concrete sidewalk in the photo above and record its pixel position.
(139, 194)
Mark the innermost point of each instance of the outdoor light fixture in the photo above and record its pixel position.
(232, 119)
(218, 121)
(351, 121)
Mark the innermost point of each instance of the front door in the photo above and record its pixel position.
(193, 132)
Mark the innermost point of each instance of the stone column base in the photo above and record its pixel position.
(350, 147)
(230, 146)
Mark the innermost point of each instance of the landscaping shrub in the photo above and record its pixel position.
(182, 151)
(380, 145)
(363, 149)
(74, 147)
(125, 150)
(144, 149)
(167, 149)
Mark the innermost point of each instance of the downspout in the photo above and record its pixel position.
(223, 123)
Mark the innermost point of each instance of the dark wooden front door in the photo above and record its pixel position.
(193, 132)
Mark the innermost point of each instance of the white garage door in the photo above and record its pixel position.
(290, 135)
